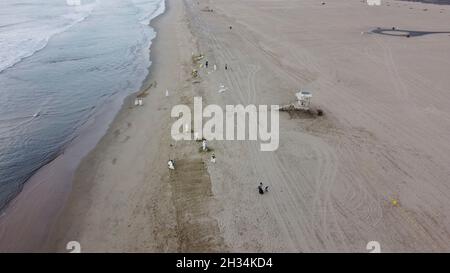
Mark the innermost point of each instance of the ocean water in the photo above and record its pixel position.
(61, 61)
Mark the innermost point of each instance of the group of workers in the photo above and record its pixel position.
(171, 162)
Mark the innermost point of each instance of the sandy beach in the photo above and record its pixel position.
(374, 167)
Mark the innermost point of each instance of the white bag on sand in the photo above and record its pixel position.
(222, 88)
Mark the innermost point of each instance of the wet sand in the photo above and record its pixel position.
(374, 167)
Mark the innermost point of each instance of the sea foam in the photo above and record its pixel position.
(26, 27)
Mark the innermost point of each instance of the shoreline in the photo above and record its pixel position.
(64, 228)
(44, 182)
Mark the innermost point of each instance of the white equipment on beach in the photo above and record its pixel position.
(204, 145)
(304, 99)
(138, 102)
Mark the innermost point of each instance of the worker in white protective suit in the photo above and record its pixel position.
(171, 164)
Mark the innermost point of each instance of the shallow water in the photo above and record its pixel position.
(59, 64)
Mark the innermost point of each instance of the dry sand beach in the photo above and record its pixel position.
(374, 167)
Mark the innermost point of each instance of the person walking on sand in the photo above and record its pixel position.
(226, 66)
(204, 145)
(206, 64)
(260, 188)
(213, 158)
